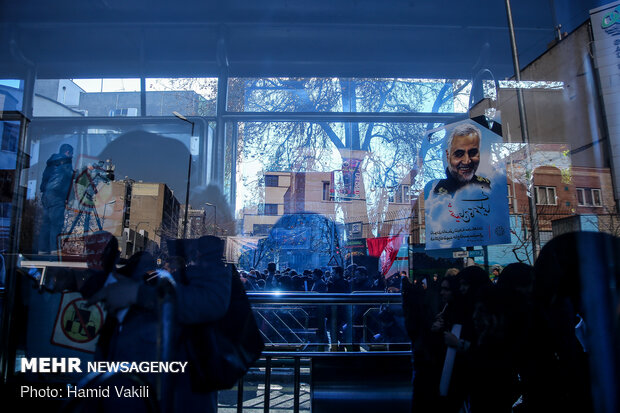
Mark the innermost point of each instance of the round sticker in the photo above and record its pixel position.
(81, 323)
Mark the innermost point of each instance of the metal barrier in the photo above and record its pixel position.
(323, 321)
(354, 378)
(343, 381)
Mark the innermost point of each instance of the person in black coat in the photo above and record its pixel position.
(55, 187)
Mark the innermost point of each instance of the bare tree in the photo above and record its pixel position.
(609, 222)
(388, 150)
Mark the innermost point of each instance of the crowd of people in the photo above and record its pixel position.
(517, 334)
(518, 343)
(333, 280)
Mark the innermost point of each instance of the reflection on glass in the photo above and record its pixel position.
(189, 96)
(123, 97)
(11, 95)
(86, 97)
(9, 138)
(310, 194)
(129, 179)
(347, 95)
(325, 327)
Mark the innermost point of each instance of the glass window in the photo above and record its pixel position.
(188, 96)
(334, 146)
(596, 197)
(551, 198)
(261, 229)
(545, 195)
(271, 180)
(326, 191)
(347, 95)
(398, 194)
(581, 197)
(589, 197)
(406, 194)
(271, 209)
(9, 138)
(123, 97)
(357, 166)
(122, 175)
(11, 95)
(86, 97)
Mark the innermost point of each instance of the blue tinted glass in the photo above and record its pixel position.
(11, 95)
(347, 95)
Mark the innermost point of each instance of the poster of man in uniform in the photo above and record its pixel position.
(468, 206)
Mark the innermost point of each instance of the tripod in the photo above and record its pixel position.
(86, 203)
(86, 214)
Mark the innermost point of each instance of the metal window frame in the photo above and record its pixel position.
(406, 194)
(270, 205)
(555, 196)
(270, 177)
(585, 203)
(546, 190)
(600, 197)
(583, 197)
(326, 196)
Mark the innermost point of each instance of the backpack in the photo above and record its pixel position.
(221, 352)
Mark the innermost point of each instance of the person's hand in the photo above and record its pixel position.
(450, 339)
(437, 325)
(118, 295)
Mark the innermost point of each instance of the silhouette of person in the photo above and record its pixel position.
(55, 186)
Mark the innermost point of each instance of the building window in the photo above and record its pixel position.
(589, 197)
(10, 136)
(406, 194)
(509, 195)
(401, 195)
(545, 195)
(271, 180)
(270, 209)
(261, 229)
(124, 112)
(326, 194)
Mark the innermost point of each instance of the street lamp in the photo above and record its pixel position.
(104, 208)
(214, 217)
(189, 171)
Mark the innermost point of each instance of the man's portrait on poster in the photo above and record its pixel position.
(468, 206)
(463, 158)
